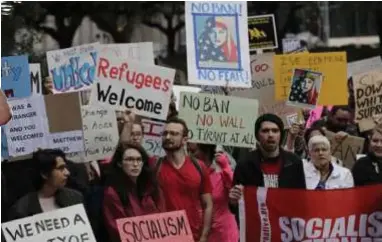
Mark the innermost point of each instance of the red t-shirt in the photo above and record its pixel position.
(271, 171)
(182, 190)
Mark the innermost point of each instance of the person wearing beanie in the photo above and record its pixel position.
(269, 165)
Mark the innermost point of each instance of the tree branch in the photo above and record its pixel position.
(154, 25)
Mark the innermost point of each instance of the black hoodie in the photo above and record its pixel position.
(367, 170)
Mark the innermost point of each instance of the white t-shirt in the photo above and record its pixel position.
(48, 204)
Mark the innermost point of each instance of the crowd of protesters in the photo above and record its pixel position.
(201, 179)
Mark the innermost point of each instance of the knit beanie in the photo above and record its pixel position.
(270, 117)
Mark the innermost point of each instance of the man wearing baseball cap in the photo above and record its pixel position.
(269, 165)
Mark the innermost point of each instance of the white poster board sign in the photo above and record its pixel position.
(66, 225)
(36, 79)
(100, 132)
(68, 142)
(72, 69)
(178, 89)
(290, 45)
(28, 128)
(365, 65)
(217, 44)
(152, 137)
(142, 52)
(133, 85)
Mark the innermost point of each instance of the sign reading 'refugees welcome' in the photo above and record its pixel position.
(219, 119)
(64, 225)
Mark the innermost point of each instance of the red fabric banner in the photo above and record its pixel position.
(286, 215)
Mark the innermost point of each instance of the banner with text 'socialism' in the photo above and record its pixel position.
(289, 215)
(262, 32)
(217, 44)
(125, 84)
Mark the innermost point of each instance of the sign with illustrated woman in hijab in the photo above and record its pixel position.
(305, 88)
(217, 44)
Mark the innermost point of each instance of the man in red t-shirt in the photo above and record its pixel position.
(185, 182)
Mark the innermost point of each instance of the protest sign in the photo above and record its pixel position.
(286, 215)
(142, 52)
(72, 69)
(262, 32)
(63, 112)
(152, 137)
(159, 227)
(314, 115)
(290, 45)
(36, 80)
(125, 84)
(292, 119)
(69, 141)
(332, 65)
(347, 149)
(224, 120)
(15, 81)
(368, 98)
(263, 87)
(176, 89)
(100, 132)
(365, 65)
(299, 50)
(27, 129)
(66, 225)
(217, 43)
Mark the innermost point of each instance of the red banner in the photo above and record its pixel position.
(286, 215)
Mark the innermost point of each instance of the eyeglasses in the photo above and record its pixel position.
(131, 160)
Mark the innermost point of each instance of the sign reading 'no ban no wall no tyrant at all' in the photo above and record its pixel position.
(223, 120)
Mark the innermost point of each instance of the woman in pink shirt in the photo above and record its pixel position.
(131, 189)
(224, 227)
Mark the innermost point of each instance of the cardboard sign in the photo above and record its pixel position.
(332, 65)
(263, 87)
(152, 137)
(133, 85)
(262, 32)
(72, 69)
(223, 120)
(142, 52)
(15, 81)
(36, 80)
(160, 227)
(217, 43)
(176, 89)
(346, 150)
(27, 129)
(286, 215)
(368, 98)
(65, 224)
(100, 132)
(290, 45)
(365, 65)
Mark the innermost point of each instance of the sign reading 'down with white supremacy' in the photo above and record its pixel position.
(217, 43)
(72, 69)
(134, 85)
(66, 225)
(100, 132)
(224, 120)
(27, 129)
(152, 137)
(368, 98)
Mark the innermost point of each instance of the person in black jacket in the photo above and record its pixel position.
(269, 165)
(368, 169)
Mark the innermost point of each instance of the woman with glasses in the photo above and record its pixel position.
(131, 189)
(321, 173)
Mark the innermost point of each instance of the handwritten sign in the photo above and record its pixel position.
(290, 45)
(142, 52)
(262, 32)
(68, 142)
(178, 89)
(36, 80)
(217, 43)
(332, 65)
(365, 65)
(100, 132)
(346, 150)
(28, 127)
(160, 227)
(126, 84)
(214, 119)
(292, 119)
(72, 69)
(263, 87)
(152, 137)
(368, 98)
(66, 225)
(15, 76)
